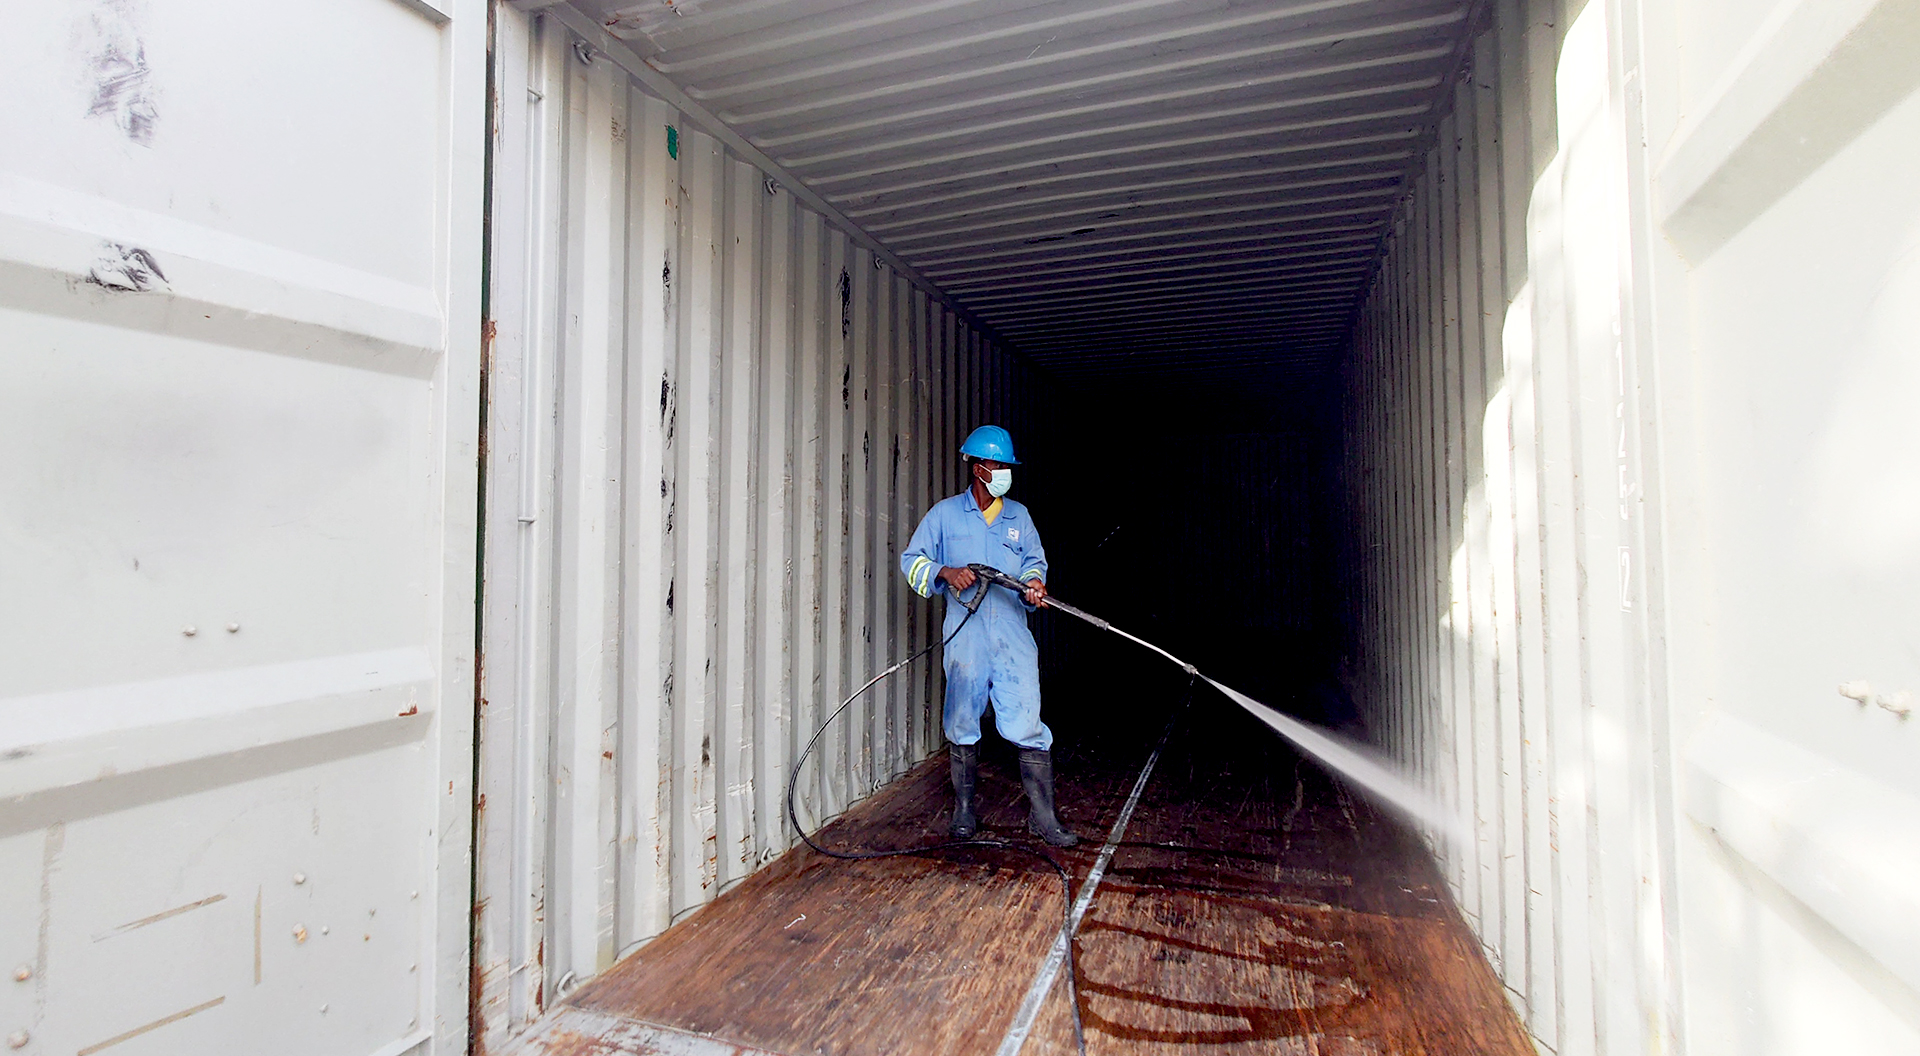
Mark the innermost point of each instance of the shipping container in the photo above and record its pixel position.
(458, 453)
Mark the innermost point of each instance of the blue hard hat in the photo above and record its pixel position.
(990, 442)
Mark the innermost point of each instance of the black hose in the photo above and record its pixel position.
(1066, 878)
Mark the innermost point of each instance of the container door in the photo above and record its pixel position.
(1787, 188)
(239, 355)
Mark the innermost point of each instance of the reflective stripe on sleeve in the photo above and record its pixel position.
(1031, 573)
(919, 575)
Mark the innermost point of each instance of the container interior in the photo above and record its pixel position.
(779, 260)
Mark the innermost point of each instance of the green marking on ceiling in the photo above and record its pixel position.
(673, 142)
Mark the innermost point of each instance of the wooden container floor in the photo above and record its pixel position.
(1255, 905)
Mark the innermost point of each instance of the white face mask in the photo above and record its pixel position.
(1000, 482)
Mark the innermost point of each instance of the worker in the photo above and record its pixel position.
(994, 658)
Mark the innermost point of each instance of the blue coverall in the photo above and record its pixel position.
(995, 656)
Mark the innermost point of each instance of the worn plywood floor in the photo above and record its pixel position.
(1255, 906)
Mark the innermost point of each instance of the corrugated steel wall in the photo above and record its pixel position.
(1488, 629)
(713, 422)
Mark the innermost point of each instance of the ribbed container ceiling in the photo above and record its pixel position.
(1138, 189)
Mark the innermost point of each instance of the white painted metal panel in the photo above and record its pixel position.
(1784, 184)
(239, 285)
(710, 432)
(1633, 347)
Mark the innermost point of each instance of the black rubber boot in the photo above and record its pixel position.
(1036, 776)
(964, 761)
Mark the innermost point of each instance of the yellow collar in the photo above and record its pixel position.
(992, 512)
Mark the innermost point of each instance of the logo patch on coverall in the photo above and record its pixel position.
(1013, 534)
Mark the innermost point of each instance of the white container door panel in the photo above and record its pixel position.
(239, 354)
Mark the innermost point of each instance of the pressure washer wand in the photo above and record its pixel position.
(992, 575)
(999, 578)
